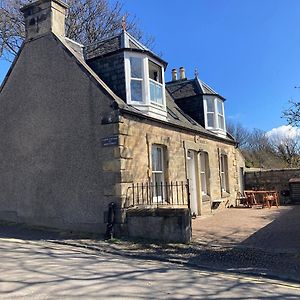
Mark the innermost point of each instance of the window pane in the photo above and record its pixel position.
(159, 160)
(220, 107)
(204, 172)
(156, 93)
(223, 182)
(202, 162)
(210, 105)
(224, 173)
(152, 91)
(221, 122)
(155, 72)
(158, 188)
(136, 90)
(156, 159)
(136, 67)
(157, 179)
(222, 163)
(203, 184)
(210, 120)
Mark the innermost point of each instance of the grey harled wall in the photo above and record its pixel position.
(50, 131)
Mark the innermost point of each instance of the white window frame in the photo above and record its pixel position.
(128, 79)
(220, 114)
(155, 185)
(146, 104)
(216, 114)
(137, 79)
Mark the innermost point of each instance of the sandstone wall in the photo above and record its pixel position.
(134, 152)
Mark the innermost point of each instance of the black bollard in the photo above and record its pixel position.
(110, 221)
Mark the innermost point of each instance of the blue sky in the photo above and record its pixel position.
(247, 50)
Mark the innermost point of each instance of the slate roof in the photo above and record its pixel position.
(121, 41)
(185, 88)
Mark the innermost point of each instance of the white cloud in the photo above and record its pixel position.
(284, 131)
(237, 116)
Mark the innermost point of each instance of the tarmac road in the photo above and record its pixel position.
(38, 269)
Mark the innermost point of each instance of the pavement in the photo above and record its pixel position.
(257, 242)
(42, 269)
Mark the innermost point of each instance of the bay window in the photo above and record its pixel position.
(214, 114)
(145, 86)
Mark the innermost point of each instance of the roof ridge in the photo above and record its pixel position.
(103, 40)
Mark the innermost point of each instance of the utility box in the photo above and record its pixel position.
(294, 184)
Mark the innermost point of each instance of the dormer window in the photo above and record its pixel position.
(214, 114)
(145, 86)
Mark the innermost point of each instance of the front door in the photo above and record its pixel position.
(191, 164)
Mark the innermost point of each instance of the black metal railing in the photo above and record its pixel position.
(173, 194)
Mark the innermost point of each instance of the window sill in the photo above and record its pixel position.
(217, 130)
(205, 198)
(157, 104)
(225, 194)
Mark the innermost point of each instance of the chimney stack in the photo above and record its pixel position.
(182, 73)
(45, 16)
(174, 74)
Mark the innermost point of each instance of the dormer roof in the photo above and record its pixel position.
(185, 88)
(120, 42)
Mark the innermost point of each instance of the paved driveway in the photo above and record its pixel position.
(275, 229)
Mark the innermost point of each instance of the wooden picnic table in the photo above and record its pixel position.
(263, 198)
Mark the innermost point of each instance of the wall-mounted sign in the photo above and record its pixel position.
(110, 141)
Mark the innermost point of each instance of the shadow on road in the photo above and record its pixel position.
(36, 269)
(228, 242)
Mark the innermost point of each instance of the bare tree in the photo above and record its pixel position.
(287, 148)
(240, 133)
(292, 114)
(264, 150)
(259, 151)
(88, 21)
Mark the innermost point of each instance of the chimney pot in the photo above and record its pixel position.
(182, 73)
(174, 74)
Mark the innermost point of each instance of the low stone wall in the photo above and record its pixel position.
(277, 179)
(163, 224)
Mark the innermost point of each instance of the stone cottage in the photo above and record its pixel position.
(82, 127)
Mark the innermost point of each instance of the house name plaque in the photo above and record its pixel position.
(110, 141)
